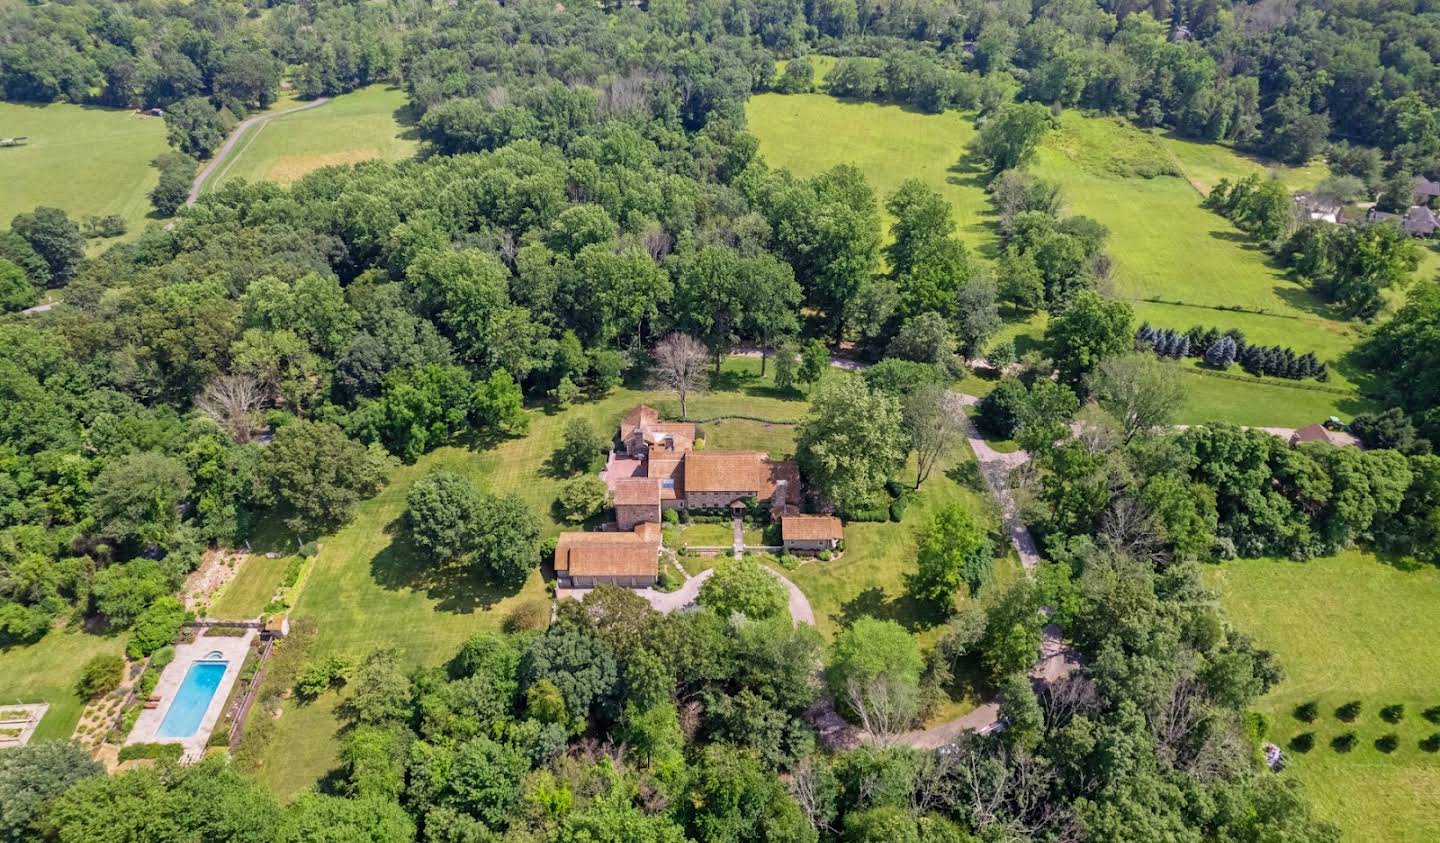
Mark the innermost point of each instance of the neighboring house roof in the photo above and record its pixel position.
(1425, 187)
(1420, 220)
(1381, 216)
(609, 554)
(811, 528)
(752, 472)
(637, 491)
(1312, 433)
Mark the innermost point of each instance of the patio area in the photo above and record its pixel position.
(184, 714)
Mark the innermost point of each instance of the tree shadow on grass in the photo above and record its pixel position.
(457, 587)
(873, 602)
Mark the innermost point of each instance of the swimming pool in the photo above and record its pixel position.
(192, 699)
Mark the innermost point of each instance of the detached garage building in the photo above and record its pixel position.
(810, 533)
(585, 560)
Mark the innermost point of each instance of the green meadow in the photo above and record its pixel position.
(1351, 627)
(358, 126)
(47, 671)
(84, 160)
(1177, 264)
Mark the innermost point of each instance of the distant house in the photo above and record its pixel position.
(1319, 208)
(1312, 433)
(1425, 190)
(810, 533)
(656, 467)
(1417, 221)
(631, 559)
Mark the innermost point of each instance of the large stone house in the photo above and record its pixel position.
(656, 467)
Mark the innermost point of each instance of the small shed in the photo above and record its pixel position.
(810, 533)
(1311, 433)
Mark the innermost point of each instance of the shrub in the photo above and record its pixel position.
(1349, 711)
(156, 626)
(1393, 713)
(1432, 743)
(219, 737)
(308, 549)
(224, 631)
(825, 556)
(897, 508)
(1343, 743)
(529, 616)
(162, 657)
(166, 751)
(1432, 714)
(100, 676)
(1306, 712)
(319, 676)
(583, 498)
(1303, 742)
(148, 680)
(1387, 743)
(670, 516)
(292, 571)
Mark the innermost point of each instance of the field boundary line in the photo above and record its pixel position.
(239, 153)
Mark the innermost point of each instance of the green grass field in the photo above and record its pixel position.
(353, 127)
(47, 671)
(247, 594)
(1163, 245)
(86, 161)
(1344, 628)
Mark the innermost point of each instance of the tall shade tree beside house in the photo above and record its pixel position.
(851, 443)
(679, 366)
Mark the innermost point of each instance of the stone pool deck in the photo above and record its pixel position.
(232, 649)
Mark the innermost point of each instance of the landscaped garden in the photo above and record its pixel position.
(1352, 628)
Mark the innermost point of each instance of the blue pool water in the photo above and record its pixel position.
(188, 707)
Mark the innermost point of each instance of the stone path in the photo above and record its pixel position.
(737, 526)
(224, 151)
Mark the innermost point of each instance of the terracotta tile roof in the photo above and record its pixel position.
(1313, 433)
(637, 417)
(609, 554)
(637, 491)
(672, 470)
(738, 471)
(811, 528)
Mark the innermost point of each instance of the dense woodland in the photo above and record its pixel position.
(587, 189)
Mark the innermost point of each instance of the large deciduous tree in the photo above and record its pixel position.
(851, 443)
(678, 365)
(55, 238)
(953, 551)
(934, 418)
(317, 474)
(1086, 332)
(875, 674)
(1009, 138)
(1140, 390)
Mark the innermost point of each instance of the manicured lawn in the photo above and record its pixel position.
(47, 671)
(777, 440)
(247, 595)
(707, 535)
(84, 160)
(1260, 403)
(352, 127)
(1344, 628)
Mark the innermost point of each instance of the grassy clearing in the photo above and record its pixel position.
(47, 671)
(1350, 627)
(84, 160)
(809, 133)
(247, 594)
(352, 127)
(1205, 164)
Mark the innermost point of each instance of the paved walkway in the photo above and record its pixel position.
(224, 151)
(737, 528)
(996, 467)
